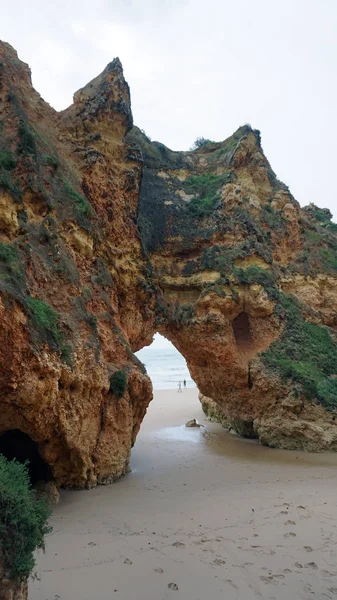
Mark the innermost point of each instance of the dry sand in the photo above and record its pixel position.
(202, 516)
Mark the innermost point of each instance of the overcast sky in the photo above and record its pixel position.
(201, 68)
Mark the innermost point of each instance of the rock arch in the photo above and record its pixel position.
(207, 247)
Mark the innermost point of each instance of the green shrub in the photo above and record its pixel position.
(313, 237)
(11, 269)
(329, 258)
(7, 160)
(8, 254)
(50, 161)
(118, 382)
(6, 181)
(46, 326)
(199, 143)
(249, 225)
(23, 520)
(206, 190)
(305, 353)
(7, 164)
(27, 139)
(254, 274)
(181, 314)
(82, 206)
(45, 318)
(273, 218)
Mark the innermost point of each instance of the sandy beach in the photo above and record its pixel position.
(203, 515)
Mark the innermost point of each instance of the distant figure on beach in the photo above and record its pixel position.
(184, 382)
(179, 388)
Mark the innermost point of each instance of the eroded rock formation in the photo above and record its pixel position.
(107, 237)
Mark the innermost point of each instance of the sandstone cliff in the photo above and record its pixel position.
(106, 238)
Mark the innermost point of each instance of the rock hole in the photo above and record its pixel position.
(18, 445)
(242, 333)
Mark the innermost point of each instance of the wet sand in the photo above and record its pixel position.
(204, 515)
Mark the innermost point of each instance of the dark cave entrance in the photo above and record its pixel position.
(242, 333)
(16, 444)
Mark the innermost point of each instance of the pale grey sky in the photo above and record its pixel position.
(200, 68)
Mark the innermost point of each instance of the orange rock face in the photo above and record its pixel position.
(69, 230)
(106, 238)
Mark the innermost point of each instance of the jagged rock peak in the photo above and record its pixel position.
(106, 93)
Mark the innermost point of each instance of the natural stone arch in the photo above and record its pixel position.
(128, 238)
(221, 341)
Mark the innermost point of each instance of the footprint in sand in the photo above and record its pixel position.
(232, 584)
(308, 548)
(219, 561)
(271, 578)
(298, 565)
(173, 586)
(290, 522)
(290, 534)
(128, 561)
(158, 570)
(178, 544)
(311, 565)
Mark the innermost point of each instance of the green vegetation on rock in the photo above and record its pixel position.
(45, 318)
(273, 218)
(23, 520)
(12, 273)
(181, 314)
(200, 142)
(27, 139)
(206, 191)
(323, 216)
(305, 353)
(82, 206)
(118, 383)
(329, 258)
(255, 274)
(319, 254)
(231, 143)
(45, 321)
(7, 160)
(7, 164)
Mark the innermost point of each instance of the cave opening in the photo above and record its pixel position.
(14, 444)
(242, 333)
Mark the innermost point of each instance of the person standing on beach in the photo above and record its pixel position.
(184, 383)
(179, 387)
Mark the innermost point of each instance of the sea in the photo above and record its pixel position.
(165, 365)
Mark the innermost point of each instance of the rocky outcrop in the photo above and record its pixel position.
(107, 237)
(74, 301)
(293, 425)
